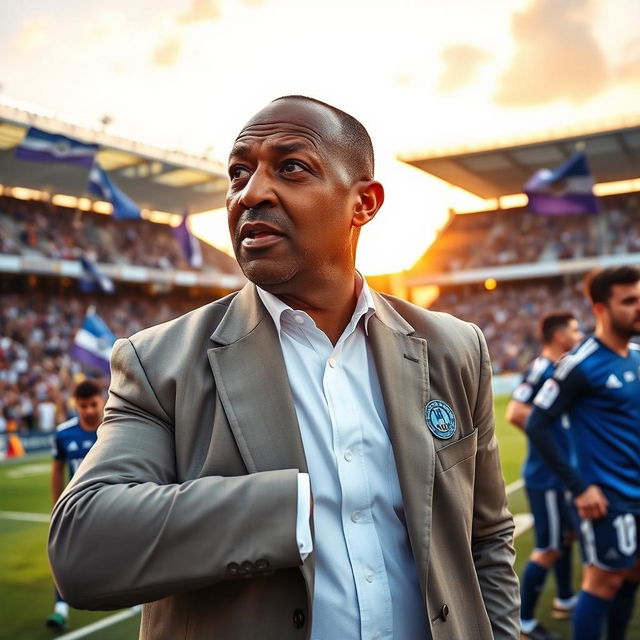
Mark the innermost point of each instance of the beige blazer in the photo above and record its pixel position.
(188, 500)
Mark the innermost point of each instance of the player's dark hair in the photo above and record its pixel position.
(599, 283)
(86, 389)
(550, 323)
(356, 146)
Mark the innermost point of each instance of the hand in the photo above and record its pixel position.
(592, 503)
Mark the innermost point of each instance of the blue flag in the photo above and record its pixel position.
(124, 208)
(94, 278)
(189, 244)
(93, 343)
(41, 146)
(568, 189)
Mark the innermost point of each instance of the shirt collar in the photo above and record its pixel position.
(365, 307)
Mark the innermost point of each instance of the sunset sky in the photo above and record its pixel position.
(419, 74)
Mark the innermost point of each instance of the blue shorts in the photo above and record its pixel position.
(551, 518)
(610, 543)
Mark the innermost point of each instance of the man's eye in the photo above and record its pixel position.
(237, 172)
(292, 166)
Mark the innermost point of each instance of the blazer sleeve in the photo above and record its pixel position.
(493, 528)
(125, 531)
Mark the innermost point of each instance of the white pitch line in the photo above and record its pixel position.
(515, 485)
(523, 521)
(26, 517)
(100, 624)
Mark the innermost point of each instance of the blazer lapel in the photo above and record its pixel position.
(251, 380)
(253, 386)
(402, 367)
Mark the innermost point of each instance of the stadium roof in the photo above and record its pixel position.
(493, 171)
(156, 179)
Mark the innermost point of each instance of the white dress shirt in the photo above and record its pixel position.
(366, 583)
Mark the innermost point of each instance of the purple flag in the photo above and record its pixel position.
(42, 146)
(189, 244)
(568, 189)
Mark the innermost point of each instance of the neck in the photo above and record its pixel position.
(553, 352)
(613, 340)
(331, 307)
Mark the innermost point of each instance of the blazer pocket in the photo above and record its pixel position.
(456, 452)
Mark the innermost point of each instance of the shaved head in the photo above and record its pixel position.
(354, 146)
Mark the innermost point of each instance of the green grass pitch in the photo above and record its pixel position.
(26, 589)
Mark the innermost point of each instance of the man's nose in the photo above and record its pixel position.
(258, 190)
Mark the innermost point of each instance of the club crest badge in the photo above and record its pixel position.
(440, 419)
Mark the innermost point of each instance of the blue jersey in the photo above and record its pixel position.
(601, 391)
(72, 443)
(536, 472)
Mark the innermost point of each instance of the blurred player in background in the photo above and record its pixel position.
(560, 333)
(599, 385)
(72, 441)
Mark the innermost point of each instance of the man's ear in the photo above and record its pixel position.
(370, 199)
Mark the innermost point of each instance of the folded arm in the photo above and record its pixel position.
(125, 531)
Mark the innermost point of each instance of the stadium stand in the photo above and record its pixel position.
(535, 264)
(47, 223)
(33, 228)
(517, 236)
(509, 314)
(36, 334)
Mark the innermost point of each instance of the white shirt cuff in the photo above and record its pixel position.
(303, 524)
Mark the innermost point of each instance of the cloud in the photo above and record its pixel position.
(168, 52)
(201, 11)
(557, 56)
(629, 70)
(461, 65)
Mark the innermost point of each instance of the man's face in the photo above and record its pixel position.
(570, 336)
(291, 199)
(90, 411)
(622, 310)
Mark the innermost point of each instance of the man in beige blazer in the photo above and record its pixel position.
(190, 500)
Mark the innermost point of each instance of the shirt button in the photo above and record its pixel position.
(298, 619)
(299, 319)
(356, 515)
(332, 363)
(368, 576)
(348, 455)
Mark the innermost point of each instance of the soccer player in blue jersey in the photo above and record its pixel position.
(599, 385)
(560, 333)
(72, 441)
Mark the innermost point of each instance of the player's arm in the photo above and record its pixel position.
(492, 533)
(156, 536)
(519, 406)
(555, 398)
(517, 413)
(57, 479)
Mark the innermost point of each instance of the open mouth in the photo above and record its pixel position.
(258, 235)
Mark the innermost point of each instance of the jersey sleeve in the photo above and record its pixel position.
(57, 450)
(555, 398)
(559, 392)
(524, 393)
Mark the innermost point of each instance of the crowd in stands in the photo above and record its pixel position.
(37, 374)
(518, 236)
(37, 330)
(508, 315)
(32, 227)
